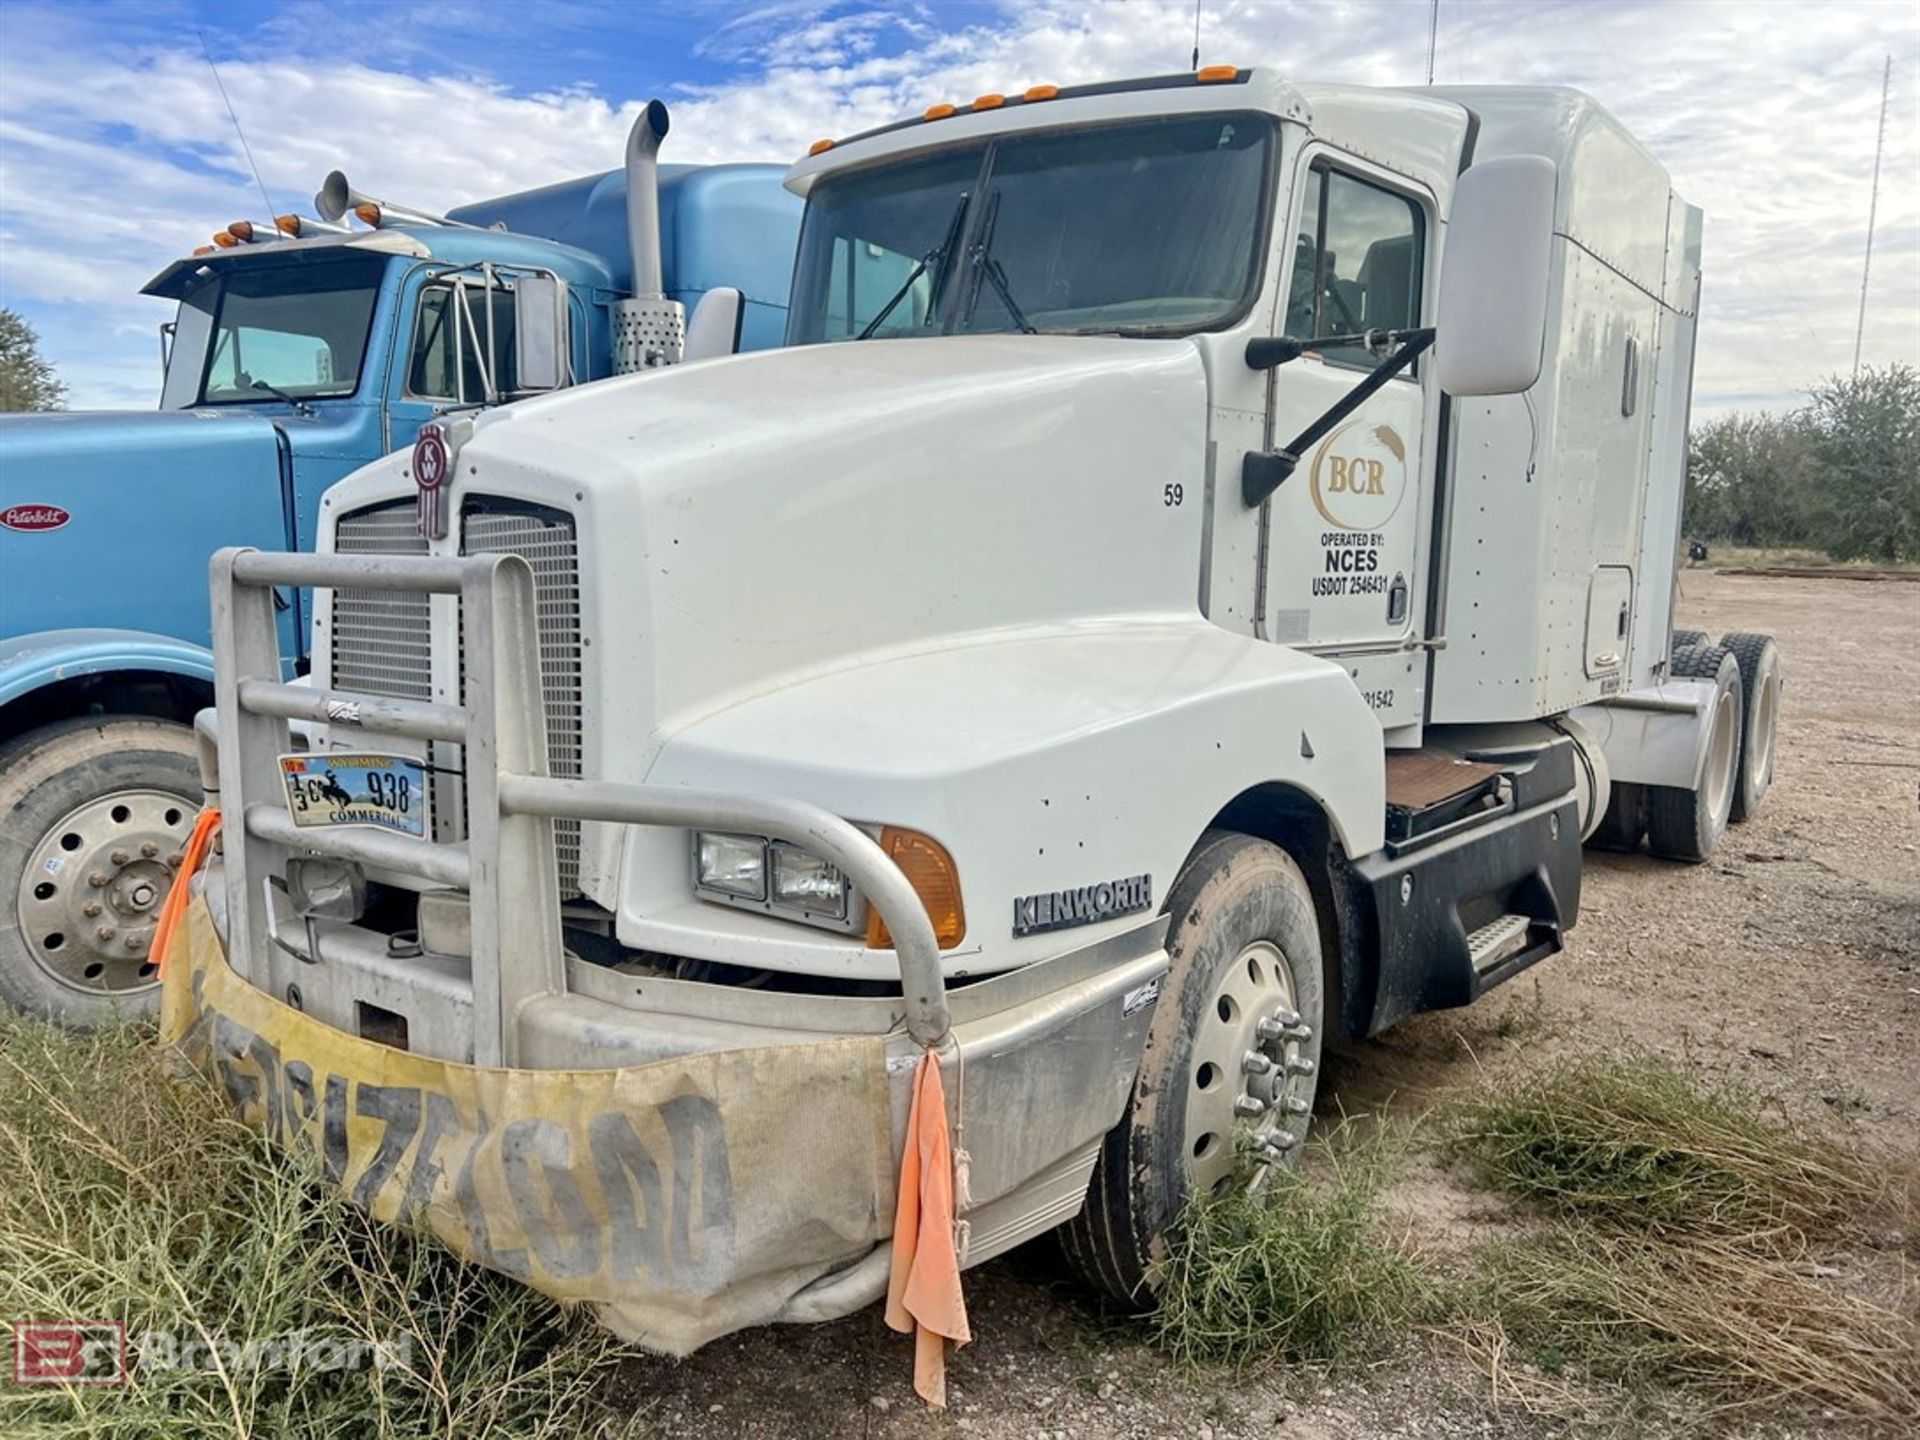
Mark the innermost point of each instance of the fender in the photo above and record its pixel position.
(1044, 760)
(29, 662)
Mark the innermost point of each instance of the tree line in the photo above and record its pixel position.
(1840, 474)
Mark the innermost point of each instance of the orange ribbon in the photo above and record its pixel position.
(175, 905)
(923, 1289)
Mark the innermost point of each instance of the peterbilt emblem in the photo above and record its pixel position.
(432, 464)
(1083, 905)
(33, 517)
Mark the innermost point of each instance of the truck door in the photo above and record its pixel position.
(1348, 529)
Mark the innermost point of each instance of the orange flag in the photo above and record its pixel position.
(175, 905)
(923, 1290)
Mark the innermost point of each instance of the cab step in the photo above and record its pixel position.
(1498, 940)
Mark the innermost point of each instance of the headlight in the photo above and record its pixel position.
(808, 882)
(774, 878)
(733, 865)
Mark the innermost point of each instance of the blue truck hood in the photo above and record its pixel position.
(107, 517)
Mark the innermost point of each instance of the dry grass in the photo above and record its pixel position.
(1302, 1270)
(132, 1197)
(1688, 1223)
(1745, 1329)
(1636, 1143)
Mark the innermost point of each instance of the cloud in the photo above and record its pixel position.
(116, 154)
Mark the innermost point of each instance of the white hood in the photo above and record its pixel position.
(749, 521)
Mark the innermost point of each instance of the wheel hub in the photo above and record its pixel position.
(91, 894)
(1251, 1091)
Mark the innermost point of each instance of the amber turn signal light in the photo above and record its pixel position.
(930, 870)
(369, 214)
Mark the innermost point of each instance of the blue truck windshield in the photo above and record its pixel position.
(1147, 227)
(282, 330)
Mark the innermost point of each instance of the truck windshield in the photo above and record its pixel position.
(299, 330)
(1148, 227)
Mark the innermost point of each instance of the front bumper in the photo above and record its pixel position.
(689, 1158)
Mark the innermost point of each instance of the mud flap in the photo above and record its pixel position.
(685, 1198)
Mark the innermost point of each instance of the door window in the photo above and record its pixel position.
(1356, 262)
(452, 352)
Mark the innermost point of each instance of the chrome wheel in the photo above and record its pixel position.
(93, 887)
(1255, 1062)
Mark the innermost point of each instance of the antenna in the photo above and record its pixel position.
(246, 148)
(1433, 35)
(1196, 34)
(1873, 213)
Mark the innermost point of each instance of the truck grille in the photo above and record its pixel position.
(544, 538)
(382, 640)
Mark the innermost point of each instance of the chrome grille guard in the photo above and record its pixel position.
(507, 864)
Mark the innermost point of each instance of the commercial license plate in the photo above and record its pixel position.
(385, 791)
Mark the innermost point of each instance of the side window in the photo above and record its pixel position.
(1356, 262)
(450, 344)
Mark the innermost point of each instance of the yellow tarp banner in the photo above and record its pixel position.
(686, 1198)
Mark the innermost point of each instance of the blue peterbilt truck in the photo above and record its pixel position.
(293, 362)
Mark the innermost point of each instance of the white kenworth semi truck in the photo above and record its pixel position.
(1201, 566)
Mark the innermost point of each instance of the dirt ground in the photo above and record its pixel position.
(1791, 960)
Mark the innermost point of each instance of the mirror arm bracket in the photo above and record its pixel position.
(1263, 471)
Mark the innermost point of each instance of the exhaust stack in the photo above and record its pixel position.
(649, 329)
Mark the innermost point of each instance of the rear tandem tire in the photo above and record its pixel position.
(1244, 947)
(1686, 824)
(1687, 640)
(1761, 681)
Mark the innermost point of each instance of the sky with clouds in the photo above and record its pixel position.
(117, 156)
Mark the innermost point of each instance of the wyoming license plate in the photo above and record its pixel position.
(385, 791)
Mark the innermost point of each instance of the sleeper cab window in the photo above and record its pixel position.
(1357, 260)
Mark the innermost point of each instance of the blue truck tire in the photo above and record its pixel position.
(94, 813)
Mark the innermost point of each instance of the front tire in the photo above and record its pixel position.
(94, 815)
(1227, 1079)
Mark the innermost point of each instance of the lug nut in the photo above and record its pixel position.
(1299, 1032)
(1249, 1107)
(97, 880)
(1294, 1105)
(105, 932)
(136, 941)
(1300, 1066)
(149, 849)
(120, 857)
(1275, 1028)
(176, 860)
(90, 909)
(1254, 1063)
(1282, 1140)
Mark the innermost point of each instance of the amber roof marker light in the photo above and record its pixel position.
(937, 112)
(1036, 93)
(819, 147)
(1216, 74)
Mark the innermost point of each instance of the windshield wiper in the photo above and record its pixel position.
(300, 407)
(936, 256)
(988, 268)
